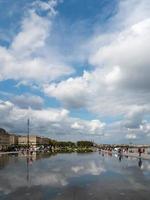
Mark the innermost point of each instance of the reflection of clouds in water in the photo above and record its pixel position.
(10, 182)
(146, 166)
(49, 179)
(57, 171)
(47, 173)
(134, 174)
(76, 169)
(135, 177)
(4, 190)
(89, 168)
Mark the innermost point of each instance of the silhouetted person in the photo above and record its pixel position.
(143, 150)
(139, 151)
(140, 162)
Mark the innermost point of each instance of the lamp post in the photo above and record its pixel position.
(28, 133)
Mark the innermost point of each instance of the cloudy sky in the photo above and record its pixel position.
(79, 69)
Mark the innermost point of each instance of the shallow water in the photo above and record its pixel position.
(74, 177)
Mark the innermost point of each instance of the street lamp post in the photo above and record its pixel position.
(28, 133)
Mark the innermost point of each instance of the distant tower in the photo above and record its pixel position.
(28, 132)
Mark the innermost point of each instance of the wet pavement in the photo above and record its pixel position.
(74, 177)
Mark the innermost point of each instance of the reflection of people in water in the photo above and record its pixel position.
(120, 157)
(140, 162)
(120, 154)
(99, 151)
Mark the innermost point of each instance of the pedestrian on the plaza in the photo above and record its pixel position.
(139, 151)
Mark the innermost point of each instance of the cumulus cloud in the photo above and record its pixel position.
(48, 6)
(72, 92)
(129, 51)
(76, 125)
(34, 31)
(131, 136)
(28, 101)
(27, 56)
(117, 86)
(45, 121)
(119, 83)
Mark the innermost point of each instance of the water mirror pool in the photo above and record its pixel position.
(73, 176)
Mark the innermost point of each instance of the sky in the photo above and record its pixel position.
(78, 69)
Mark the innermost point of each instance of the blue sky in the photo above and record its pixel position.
(78, 68)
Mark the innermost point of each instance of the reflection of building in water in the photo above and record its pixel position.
(4, 139)
(36, 155)
(4, 160)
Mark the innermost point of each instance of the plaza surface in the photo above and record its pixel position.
(74, 177)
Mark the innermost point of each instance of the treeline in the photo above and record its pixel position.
(59, 147)
(79, 144)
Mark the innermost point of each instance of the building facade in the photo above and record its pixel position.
(4, 139)
(33, 140)
(13, 139)
(7, 140)
(22, 140)
(45, 141)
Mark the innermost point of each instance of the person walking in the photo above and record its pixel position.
(139, 151)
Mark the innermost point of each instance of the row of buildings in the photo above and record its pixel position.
(8, 139)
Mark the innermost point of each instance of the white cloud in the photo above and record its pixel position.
(122, 63)
(129, 51)
(34, 31)
(76, 125)
(28, 58)
(91, 127)
(47, 6)
(131, 136)
(96, 126)
(27, 101)
(72, 92)
(45, 121)
(118, 85)
(113, 77)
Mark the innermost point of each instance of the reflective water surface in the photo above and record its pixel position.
(73, 177)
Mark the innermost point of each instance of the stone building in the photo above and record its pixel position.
(22, 140)
(7, 139)
(33, 140)
(4, 139)
(45, 141)
(13, 139)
